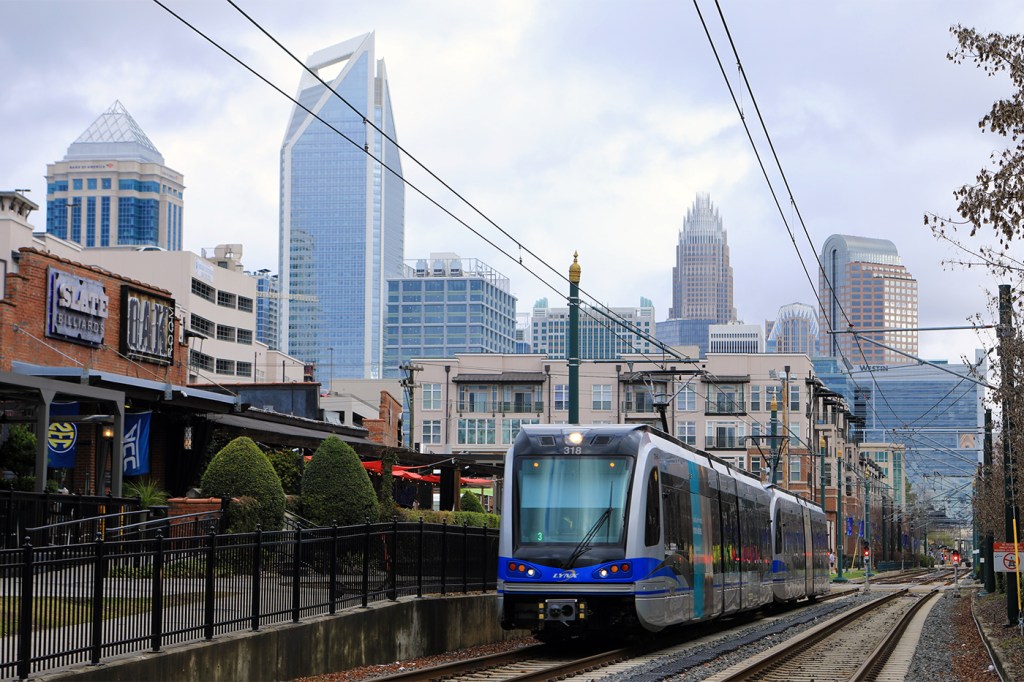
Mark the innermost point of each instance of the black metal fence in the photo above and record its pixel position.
(78, 513)
(81, 603)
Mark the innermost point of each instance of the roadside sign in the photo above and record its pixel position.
(1003, 558)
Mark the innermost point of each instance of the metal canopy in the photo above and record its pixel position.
(41, 393)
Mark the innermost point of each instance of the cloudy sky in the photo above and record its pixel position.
(573, 125)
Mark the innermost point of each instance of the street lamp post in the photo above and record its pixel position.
(330, 378)
(840, 521)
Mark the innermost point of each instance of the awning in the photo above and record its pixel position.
(405, 472)
(502, 378)
(277, 429)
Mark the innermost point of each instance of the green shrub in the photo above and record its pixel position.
(288, 465)
(245, 514)
(241, 469)
(336, 487)
(470, 502)
(474, 519)
(150, 494)
(18, 452)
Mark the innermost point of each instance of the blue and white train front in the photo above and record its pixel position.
(563, 566)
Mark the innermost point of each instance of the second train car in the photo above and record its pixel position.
(611, 528)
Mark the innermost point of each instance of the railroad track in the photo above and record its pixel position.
(854, 646)
(530, 664)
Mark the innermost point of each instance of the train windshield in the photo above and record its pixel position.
(579, 500)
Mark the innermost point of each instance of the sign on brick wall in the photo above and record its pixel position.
(76, 308)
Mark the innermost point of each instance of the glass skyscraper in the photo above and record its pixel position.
(113, 189)
(446, 305)
(342, 213)
(932, 411)
(604, 333)
(268, 297)
(871, 291)
(795, 331)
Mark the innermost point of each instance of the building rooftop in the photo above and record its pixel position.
(114, 135)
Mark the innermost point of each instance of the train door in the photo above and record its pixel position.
(809, 562)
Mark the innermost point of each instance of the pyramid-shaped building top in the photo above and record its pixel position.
(114, 136)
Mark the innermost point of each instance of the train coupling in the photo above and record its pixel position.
(561, 610)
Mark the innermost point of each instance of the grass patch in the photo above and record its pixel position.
(57, 612)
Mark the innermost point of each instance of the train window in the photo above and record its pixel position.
(652, 515)
(569, 499)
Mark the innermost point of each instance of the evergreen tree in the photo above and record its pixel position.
(336, 487)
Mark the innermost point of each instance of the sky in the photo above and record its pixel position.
(582, 126)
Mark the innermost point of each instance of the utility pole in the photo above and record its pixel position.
(409, 384)
(988, 570)
(840, 521)
(574, 340)
(1005, 329)
(773, 442)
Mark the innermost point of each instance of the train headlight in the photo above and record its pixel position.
(517, 569)
(620, 569)
(575, 438)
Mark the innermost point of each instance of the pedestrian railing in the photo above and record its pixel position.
(81, 604)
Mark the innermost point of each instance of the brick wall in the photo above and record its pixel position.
(386, 429)
(24, 307)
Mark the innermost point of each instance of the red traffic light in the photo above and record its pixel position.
(867, 552)
(956, 557)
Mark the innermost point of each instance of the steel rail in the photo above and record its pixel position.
(877, 659)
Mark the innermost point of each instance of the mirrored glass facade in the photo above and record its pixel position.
(342, 214)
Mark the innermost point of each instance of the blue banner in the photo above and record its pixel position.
(861, 528)
(136, 443)
(61, 437)
(849, 525)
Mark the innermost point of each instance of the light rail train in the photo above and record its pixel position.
(618, 528)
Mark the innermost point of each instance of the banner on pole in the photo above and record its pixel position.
(61, 437)
(136, 443)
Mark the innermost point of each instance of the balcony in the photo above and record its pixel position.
(514, 407)
(726, 405)
(726, 442)
(640, 406)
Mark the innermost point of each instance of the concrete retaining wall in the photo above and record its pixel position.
(382, 633)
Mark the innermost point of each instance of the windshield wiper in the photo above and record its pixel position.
(585, 545)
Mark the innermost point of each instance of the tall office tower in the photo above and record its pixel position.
(113, 189)
(268, 296)
(794, 330)
(603, 336)
(702, 276)
(446, 305)
(342, 213)
(871, 292)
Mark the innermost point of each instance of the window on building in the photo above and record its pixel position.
(243, 369)
(510, 428)
(225, 333)
(200, 361)
(201, 325)
(432, 432)
(431, 396)
(561, 396)
(881, 456)
(244, 337)
(225, 366)
(755, 464)
(476, 432)
(203, 290)
(794, 397)
(794, 469)
(755, 398)
(686, 431)
(245, 304)
(686, 400)
(227, 299)
(601, 397)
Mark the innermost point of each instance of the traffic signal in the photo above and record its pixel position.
(956, 557)
(867, 552)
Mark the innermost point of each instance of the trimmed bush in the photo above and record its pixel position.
(469, 502)
(18, 452)
(336, 487)
(241, 469)
(288, 465)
